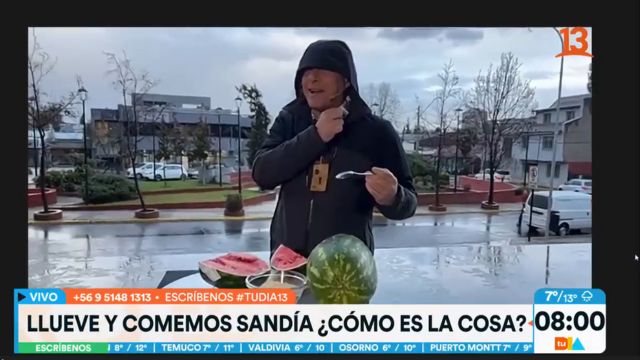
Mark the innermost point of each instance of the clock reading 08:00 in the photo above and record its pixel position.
(579, 321)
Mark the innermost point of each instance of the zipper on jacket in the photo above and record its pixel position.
(310, 216)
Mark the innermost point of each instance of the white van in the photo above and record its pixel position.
(569, 211)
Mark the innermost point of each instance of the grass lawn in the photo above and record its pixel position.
(186, 197)
(151, 186)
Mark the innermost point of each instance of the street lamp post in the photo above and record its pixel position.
(238, 103)
(219, 111)
(83, 97)
(555, 138)
(526, 159)
(455, 179)
(153, 141)
(203, 168)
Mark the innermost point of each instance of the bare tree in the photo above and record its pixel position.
(43, 115)
(153, 113)
(446, 100)
(505, 100)
(132, 84)
(387, 103)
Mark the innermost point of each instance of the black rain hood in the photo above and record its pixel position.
(332, 55)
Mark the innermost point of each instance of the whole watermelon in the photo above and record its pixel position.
(341, 270)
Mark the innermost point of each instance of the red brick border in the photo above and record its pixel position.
(470, 197)
(189, 190)
(34, 198)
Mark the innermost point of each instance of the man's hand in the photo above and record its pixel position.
(330, 123)
(382, 185)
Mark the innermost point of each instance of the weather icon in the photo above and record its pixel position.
(586, 296)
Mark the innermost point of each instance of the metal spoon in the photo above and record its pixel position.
(352, 174)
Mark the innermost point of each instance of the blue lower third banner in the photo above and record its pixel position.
(319, 348)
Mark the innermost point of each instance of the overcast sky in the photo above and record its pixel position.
(212, 61)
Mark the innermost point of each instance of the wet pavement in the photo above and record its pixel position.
(447, 258)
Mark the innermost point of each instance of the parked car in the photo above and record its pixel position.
(193, 173)
(170, 171)
(140, 168)
(577, 185)
(499, 175)
(569, 211)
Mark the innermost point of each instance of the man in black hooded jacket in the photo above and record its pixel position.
(326, 130)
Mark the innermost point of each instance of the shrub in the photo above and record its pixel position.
(70, 187)
(233, 202)
(65, 181)
(53, 179)
(106, 188)
(73, 177)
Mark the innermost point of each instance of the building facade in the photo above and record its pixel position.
(157, 111)
(573, 148)
(64, 146)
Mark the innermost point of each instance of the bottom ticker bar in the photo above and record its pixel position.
(62, 348)
(275, 348)
(478, 348)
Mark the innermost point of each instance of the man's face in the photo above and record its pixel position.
(323, 89)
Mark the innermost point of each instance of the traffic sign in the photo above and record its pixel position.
(533, 175)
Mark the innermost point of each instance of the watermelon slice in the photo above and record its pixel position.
(285, 259)
(233, 266)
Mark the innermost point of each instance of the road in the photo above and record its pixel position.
(221, 236)
(468, 245)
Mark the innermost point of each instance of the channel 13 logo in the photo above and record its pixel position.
(567, 343)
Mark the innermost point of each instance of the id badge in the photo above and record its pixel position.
(320, 177)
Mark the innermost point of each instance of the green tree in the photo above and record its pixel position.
(201, 146)
(178, 141)
(418, 166)
(260, 119)
(164, 151)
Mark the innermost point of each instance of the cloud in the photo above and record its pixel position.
(539, 74)
(455, 35)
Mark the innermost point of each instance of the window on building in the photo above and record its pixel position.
(547, 143)
(524, 141)
(556, 173)
(547, 118)
(571, 115)
(147, 130)
(507, 145)
(226, 130)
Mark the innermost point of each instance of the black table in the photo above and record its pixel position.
(482, 273)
